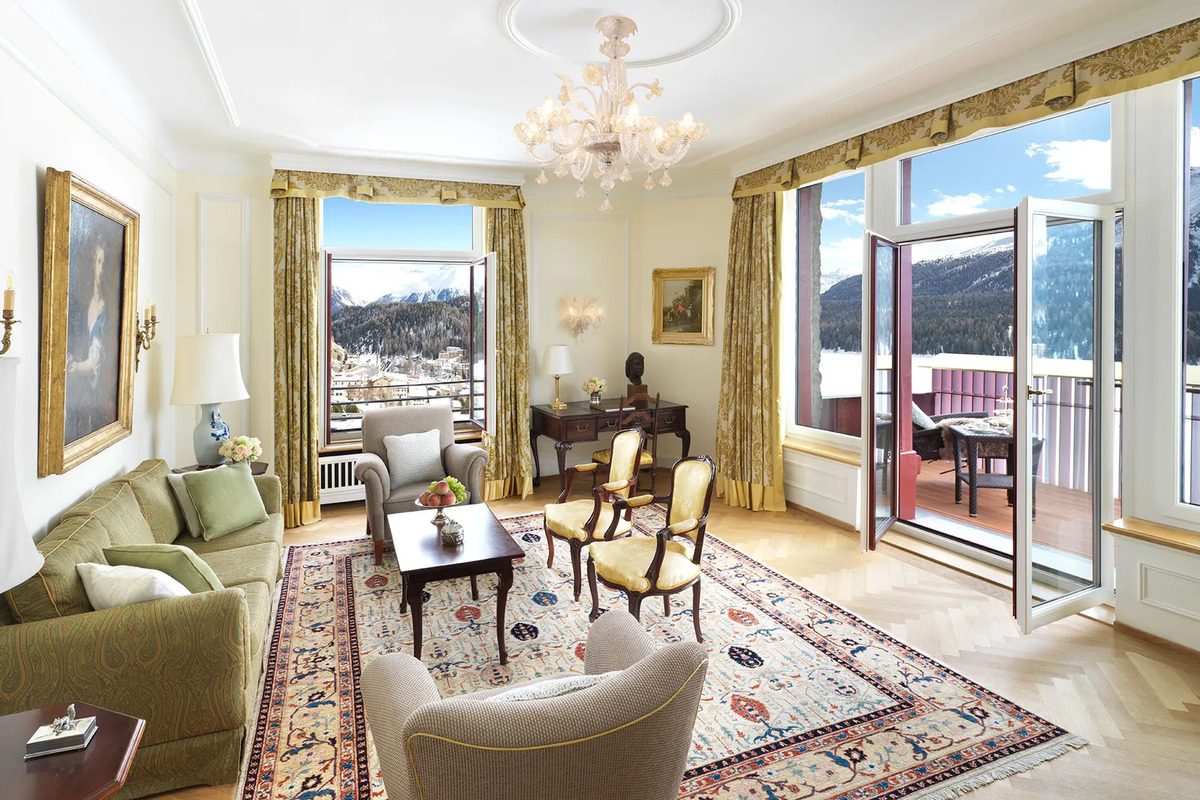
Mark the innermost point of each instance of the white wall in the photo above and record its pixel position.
(41, 131)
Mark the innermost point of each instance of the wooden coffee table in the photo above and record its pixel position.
(96, 771)
(423, 558)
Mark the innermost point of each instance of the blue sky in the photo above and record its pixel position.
(351, 223)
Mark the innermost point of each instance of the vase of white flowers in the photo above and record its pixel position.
(241, 448)
(595, 387)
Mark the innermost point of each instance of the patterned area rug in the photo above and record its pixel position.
(804, 699)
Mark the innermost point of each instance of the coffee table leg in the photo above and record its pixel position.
(506, 579)
(474, 588)
(414, 591)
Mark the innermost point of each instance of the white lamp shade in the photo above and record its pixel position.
(207, 370)
(557, 360)
(19, 556)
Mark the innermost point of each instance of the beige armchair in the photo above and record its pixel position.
(462, 461)
(628, 736)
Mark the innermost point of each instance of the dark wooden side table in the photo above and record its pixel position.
(583, 422)
(256, 468)
(97, 771)
(422, 558)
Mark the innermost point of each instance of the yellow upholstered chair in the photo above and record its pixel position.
(641, 566)
(635, 412)
(581, 522)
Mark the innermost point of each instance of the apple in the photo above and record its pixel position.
(441, 487)
(448, 499)
(424, 498)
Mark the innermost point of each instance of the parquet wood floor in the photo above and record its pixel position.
(1135, 698)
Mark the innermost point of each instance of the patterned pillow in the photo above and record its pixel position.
(414, 457)
(555, 687)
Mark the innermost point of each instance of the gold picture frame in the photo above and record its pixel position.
(89, 322)
(683, 305)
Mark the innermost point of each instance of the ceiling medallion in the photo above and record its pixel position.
(610, 129)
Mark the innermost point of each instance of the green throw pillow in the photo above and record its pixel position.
(226, 500)
(177, 561)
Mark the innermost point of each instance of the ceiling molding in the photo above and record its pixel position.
(192, 12)
(730, 17)
(383, 166)
(1110, 34)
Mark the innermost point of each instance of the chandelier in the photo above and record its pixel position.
(611, 135)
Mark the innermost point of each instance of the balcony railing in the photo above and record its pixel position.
(345, 425)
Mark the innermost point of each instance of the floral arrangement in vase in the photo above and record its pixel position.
(595, 387)
(241, 448)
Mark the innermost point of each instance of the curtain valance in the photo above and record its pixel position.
(1159, 57)
(377, 189)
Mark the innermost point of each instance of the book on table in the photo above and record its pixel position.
(47, 741)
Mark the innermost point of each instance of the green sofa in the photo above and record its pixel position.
(190, 666)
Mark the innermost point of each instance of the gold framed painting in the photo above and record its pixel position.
(683, 305)
(89, 323)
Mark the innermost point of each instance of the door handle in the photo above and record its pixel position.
(1032, 392)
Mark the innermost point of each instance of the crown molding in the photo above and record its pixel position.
(1123, 29)
(467, 172)
(200, 31)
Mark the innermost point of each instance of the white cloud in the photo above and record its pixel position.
(1011, 188)
(838, 213)
(1195, 147)
(842, 257)
(848, 202)
(1084, 161)
(954, 205)
(999, 190)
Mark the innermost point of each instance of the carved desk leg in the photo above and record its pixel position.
(686, 436)
(537, 462)
(561, 449)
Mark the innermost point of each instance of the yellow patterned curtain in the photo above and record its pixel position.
(749, 412)
(376, 189)
(297, 254)
(1159, 57)
(510, 465)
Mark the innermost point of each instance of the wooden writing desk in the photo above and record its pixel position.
(583, 422)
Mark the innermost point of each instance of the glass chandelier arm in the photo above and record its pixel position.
(652, 89)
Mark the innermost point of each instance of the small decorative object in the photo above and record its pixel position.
(446, 492)
(64, 734)
(452, 533)
(557, 362)
(683, 305)
(89, 323)
(207, 373)
(145, 333)
(10, 299)
(635, 365)
(583, 314)
(241, 448)
(595, 387)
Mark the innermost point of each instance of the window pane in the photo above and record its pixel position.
(1060, 157)
(399, 334)
(1191, 295)
(351, 223)
(829, 305)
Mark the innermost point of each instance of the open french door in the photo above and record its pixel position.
(880, 421)
(481, 367)
(1064, 312)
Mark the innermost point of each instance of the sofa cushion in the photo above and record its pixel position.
(56, 590)
(175, 560)
(113, 587)
(270, 532)
(257, 562)
(116, 506)
(149, 482)
(191, 520)
(226, 500)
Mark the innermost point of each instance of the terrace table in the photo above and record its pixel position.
(967, 439)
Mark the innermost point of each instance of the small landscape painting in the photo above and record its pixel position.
(683, 306)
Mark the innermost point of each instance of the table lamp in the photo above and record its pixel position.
(208, 372)
(557, 362)
(19, 556)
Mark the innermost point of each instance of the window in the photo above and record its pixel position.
(404, 325)
(829, 270)
(1191, 293)
(1056, 158)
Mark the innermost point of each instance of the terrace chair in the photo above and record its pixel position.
(628, 735)
(582, 522)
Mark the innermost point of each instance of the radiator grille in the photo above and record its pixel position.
(338, 484)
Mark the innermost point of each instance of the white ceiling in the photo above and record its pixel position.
(444, 82)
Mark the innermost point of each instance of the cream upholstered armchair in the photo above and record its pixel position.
(627, 736)
(581, 522)
(462, 461)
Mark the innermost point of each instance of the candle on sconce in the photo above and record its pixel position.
(153, 310)
(10, 294)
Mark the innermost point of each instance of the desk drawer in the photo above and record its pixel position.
(607, 424)
(670, 421)
(579, 430)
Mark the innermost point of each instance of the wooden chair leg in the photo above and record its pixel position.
(576, 554)
(378, 552)
(595, 592)
(696, 610)
(666, 605)
(550, 546)
(635, 605)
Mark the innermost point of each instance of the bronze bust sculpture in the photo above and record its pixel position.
(635, 365)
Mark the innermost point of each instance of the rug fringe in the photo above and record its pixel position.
(1006, 768)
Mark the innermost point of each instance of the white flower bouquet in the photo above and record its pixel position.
(241, 448)
(595, 385)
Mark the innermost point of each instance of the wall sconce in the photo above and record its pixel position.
(10, 299)
(145, 333)
(583, 314)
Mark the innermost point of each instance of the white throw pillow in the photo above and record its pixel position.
(555, 687)
(414, 457)
(184, 501)
(112, 587)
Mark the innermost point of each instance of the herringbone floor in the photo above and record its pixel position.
(1136, 699)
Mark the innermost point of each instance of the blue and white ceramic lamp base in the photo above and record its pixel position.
(210, 433)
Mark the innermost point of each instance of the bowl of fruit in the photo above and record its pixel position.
(441, 494)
